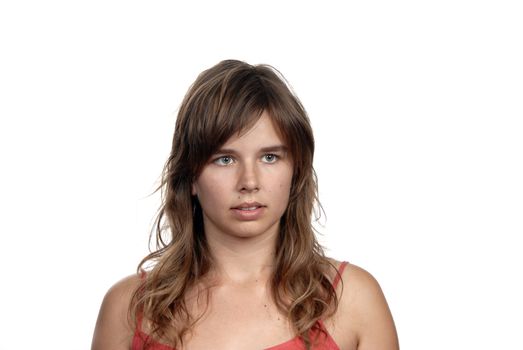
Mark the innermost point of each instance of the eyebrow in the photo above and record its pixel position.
(275, 148)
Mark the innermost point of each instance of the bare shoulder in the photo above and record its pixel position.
(113, 329)
(363, 311)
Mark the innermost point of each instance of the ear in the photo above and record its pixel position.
(193, 189)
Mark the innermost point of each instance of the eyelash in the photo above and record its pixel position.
(276, 157)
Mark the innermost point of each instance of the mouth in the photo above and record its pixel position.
(248, 206)
(249, 211)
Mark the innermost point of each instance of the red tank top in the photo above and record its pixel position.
(295, 343)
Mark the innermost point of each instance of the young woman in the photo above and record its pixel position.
(237, 264)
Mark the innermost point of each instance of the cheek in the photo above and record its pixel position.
(284, 187)
(210, 191)
(288, 179)
(203, 184)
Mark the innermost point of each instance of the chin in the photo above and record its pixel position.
(253, 229)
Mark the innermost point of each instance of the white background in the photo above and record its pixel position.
(416, 108)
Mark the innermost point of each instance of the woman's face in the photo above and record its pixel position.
(244, 187)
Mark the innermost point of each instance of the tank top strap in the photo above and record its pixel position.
(139, 313)
(338, 274)
(139, 317)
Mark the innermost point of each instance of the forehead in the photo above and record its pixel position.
(261, 134)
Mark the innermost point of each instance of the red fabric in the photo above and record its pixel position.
(295, 343)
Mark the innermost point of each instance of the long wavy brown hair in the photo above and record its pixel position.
(224, 100)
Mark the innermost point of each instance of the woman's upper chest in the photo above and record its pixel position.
(237, 318)
(247, 318)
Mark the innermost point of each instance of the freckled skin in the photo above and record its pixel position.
(248, 175)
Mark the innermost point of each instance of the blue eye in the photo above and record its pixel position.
(270, 158)
(225, 160)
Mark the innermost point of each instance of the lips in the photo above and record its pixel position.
(248, 206)
(248, 211)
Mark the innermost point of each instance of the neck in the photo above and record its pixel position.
(239, 260)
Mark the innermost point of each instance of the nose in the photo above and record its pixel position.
(248, 180)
